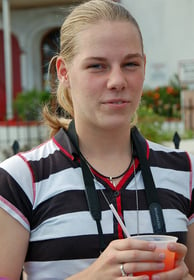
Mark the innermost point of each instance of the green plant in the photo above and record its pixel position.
(150, 124)
(164, 100)
(28, 104)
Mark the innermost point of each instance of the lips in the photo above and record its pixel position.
(116, 102)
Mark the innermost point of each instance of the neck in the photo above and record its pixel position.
(108, 151)
(98, 142)
(114, 180)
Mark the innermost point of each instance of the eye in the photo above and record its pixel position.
(132, 64)
(97, 67)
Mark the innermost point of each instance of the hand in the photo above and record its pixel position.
(136, 255)
(180, 272)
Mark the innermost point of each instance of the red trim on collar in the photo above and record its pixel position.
(119, 210)
(148, 150)
(63, 150)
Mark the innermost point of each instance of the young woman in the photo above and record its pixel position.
(56, 215)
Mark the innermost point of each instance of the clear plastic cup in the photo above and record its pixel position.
(161, 242)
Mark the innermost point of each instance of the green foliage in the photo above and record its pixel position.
(165, 100)
(150, 124)
(28, 105)
(157, 106)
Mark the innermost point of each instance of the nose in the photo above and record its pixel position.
(116, 79)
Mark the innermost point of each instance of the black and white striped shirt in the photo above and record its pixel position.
(44, 190)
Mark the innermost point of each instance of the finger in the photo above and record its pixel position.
(179, 249)
(140, 256)
(133, 268)
(178, 273)
(128, 276)
(130, 244)
(131, 277)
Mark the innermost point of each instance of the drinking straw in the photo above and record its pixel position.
(119, 220)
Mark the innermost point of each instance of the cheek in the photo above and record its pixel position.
(136, 88)
(81, 83)
(136, 84)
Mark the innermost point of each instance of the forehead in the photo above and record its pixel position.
(110, 34)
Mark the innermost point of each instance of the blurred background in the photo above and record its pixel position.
(29, 38)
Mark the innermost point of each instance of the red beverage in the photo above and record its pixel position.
(161, 242)
(168, 261)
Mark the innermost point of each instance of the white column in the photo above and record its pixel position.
(8, 59)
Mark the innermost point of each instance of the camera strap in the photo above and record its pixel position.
(154, 206)
(90, 190)
(155, 209)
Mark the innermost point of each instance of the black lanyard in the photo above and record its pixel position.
(155, 209)
(90, 190)
(150, 189)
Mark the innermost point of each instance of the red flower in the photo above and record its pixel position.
(156, 95)
(170, 90)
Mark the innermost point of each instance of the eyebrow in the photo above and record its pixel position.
(134, 55)
(129, 56)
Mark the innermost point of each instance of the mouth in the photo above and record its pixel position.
(116, 102)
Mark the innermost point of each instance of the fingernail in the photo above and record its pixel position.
(171, 247)
(162, 256)
(161, 265)
(151, 246)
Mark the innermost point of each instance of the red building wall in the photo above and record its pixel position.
(16, 73)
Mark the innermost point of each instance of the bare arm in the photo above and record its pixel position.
(190, 254)
(14, 239)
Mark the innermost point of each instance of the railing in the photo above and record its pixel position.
(21, 136)
(15, 136)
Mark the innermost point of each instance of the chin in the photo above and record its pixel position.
(115, 124)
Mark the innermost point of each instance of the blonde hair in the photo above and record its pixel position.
(78, 20)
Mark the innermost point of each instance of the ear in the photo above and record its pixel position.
(62, 71)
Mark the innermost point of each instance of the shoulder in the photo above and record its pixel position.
(41, 151)
(22, 166)
(22, 158)
(161, 147)
(161, 155)
(176, 158)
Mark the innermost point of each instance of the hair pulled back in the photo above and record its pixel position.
(90, 12)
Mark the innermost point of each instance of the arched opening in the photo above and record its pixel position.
(50, 46)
